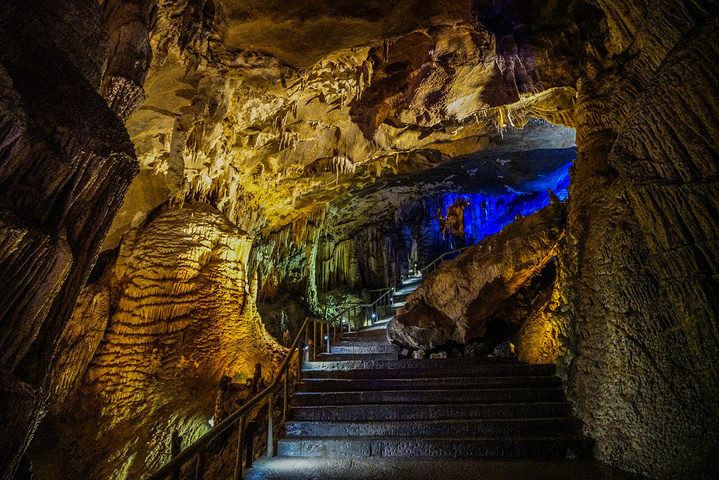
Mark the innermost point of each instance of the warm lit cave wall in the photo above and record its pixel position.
(66, 161)
(148, 344)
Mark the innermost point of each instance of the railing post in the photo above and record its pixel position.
(300, 359)
(322, 335)
(250, 431)
(286, 396)
(270, 433)
(314, 341)
(200, 468)
(175, 449)
(328, 340)
(238, 459)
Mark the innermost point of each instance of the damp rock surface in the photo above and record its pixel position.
(456, 301)
(176, 313)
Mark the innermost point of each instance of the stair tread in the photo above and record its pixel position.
(421, 363)
(488, 427)
(554, 446)
(439, 390)
(388, 369)
(448, 421)
(463, 438)
(473, 405)
(424, 379)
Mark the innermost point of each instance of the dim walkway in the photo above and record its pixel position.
(361, 413)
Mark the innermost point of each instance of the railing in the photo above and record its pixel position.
(280, 382)
(382, 305)
(429, 268)
(365, 312)
(370, 312)
(198, 449)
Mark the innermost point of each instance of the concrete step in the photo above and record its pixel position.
(481, 427)
(431, 468)
(427, 367)
(401, 295)
(388, 397)
(382, 321)
(425, 412)
(360, 357)
(381, 325)
(348, 384)
(361, 334)
(412, 281)
(364, 347)
(405, 291)
(509, 447)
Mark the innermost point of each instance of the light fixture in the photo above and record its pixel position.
(374, 315)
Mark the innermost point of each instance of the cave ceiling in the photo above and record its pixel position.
(270, 110)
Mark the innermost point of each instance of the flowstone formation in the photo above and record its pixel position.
(66, 162)
(489, 282)
(177, 314)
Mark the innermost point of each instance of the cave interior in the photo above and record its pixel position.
(470, 187)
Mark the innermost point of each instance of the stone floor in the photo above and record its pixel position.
(296, 468)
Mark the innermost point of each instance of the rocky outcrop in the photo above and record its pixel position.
(66, 161)
(639, 277)
(271, 142)
(457, 301)
(175, 315)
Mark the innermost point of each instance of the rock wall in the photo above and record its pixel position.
(640, 278)
(457, 301)
(175, 314)
(66, 161)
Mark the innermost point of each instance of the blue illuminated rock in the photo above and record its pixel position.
(458, 299)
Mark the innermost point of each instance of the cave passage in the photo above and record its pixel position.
(502, 215)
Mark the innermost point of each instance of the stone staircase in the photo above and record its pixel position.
(362, 401)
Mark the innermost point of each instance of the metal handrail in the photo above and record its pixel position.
(379, 290)
(337, 319)
(426, 269)
(200, 445)
(382, 300)
(385, 298)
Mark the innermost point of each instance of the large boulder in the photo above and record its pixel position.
(498, 278)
